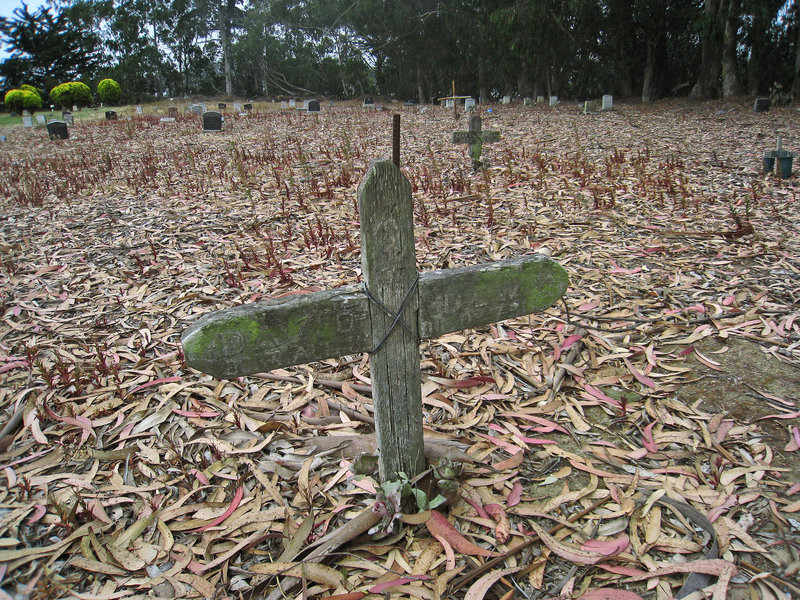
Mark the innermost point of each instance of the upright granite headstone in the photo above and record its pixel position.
(139, 110)
(469, 103)
(41, 120)
(608, 102)
(222, 106)
(111, 115)
(313, 106)
(57, 130)
(388, 316)
(212, 121)
(27, 121)
(248, 107)
(67, 117)
(761, 105)
(197, 109)
(237, 107)
(292, 103)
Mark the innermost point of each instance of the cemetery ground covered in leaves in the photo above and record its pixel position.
(644, 430)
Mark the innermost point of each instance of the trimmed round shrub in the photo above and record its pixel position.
(31, 101)
(109, 91)
(29, 88)
(73, 92)
(14, 100)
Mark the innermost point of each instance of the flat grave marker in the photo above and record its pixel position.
(57, 130)
(212, 121)
(761, 105)
(388, 316)
(475, 138)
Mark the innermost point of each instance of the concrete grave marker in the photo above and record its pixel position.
(197, 109)
(27, 121)
(469, 103)
(590, 106)
(369, 102)
(57, 130)
(212, 121)
(67, 117)
(608, 102)
(41, 120)
(553, 100)
(284, 105)
(237, 107)
(167, 120)
(111, 115)
(388, 316)
(74, 108)
(761, 105)
(248, 107)
(506, 100)
(292, 104)
(172, 111)
(222, 106)
(449, 103)
(313, 106)
(475, 138)
(139, 110)
(527, 101)
(539, 99)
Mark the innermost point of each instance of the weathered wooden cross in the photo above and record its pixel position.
(388, 316)
(476, 139)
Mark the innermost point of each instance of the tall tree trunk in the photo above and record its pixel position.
(420, 86)
(710, 54)
(796, 83)
(649, 70)
(225, 12)
(756, 52)
(730, 79)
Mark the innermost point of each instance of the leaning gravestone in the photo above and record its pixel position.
(27, 121)
(111, 115)
(212, 121)
(388, 316)
(57, 130)
(608, 102)
(313, 106)
(761, 105)
(475, 138)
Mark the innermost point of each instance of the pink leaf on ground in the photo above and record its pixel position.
(237, 498)
(440, 527)
(640, 377)
(609, 594)
(609, 547)
(514, 495)
(647, 438)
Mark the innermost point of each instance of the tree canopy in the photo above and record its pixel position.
(410, 49)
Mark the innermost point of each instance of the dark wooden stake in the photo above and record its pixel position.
(396, 141)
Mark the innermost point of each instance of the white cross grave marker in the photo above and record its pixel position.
(388, 316)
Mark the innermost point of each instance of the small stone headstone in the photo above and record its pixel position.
(41, 120)
(469, 103)
(26, 112)
(369, 101)
(303, 106)
(74, 108)
(27, 121)
(313, 106)
(67, 116)
(284, 105)
(539, 99)
(197, 109)
(608, 102)
(172, 111)
(139, 110)
(590, 106)
(57, 130)
(528, 101)
(222, 106)
(761, 105)
(111, 115)
(248, 107)
(506, 100)
(292, 103)
(237, 107)
(553, 100)
(330, 103)
(167, 119)
(449, 103)
(212, 121)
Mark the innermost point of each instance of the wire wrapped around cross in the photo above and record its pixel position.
(395, 316)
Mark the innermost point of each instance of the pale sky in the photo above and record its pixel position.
(7, 10)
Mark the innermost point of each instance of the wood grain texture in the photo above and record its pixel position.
(388, 263)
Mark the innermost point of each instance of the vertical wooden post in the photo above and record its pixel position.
(455, 102)
(387, 238)
(396, 140)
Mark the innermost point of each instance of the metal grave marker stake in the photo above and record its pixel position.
(387, 316)
(476, 139)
